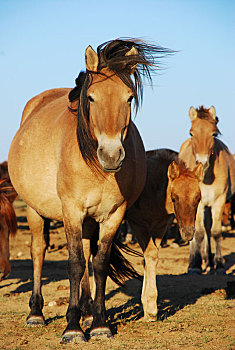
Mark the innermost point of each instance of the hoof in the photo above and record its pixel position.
(87, 322)
(101, 333)
(220, 271)
(195, 271)
(73, 337)
(35, 321)
(150, 318)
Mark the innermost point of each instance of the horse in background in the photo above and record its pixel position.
(8, 225)
(84, 163)
(170, 189)
(217, 187)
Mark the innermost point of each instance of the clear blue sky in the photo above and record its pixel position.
(42, 45)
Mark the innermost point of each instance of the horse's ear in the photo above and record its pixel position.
(173, 171)
(199, 172)
(91, 59)
(132, 52)
(192, 113)
(212, 112)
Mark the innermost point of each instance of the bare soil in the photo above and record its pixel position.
(195, 311)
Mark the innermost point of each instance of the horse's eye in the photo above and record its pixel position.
(90, 99)
(130, 99)
(173, 200)
(190, 134)
(215, 134)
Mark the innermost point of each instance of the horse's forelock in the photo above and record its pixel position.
(203, 113)
(113, 55)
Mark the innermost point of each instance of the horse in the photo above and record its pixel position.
(78, 158)
(170, 189)
(8, 225)
(217, 187)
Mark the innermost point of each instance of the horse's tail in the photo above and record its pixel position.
(7, 210)
(119, 267)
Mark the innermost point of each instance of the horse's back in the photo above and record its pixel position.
(34, 151)
(39, 101)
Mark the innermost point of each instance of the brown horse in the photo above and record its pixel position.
(83, 164)
(218, 185)
(170, 188)
(8, 225)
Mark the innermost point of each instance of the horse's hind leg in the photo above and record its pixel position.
(40, 229)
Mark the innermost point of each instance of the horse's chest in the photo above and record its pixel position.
(100, 203)
(210, 193)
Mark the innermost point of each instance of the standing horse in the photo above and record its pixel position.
(217, 186)
(83, 163)
(170, 188)
(8, 225)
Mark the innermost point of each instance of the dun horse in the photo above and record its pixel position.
(8, 225)
(170, 188)
(83, 163)
(217, 186)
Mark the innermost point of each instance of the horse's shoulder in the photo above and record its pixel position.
(40, 100)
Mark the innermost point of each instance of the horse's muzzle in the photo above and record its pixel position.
(111, 160)
(187, 233)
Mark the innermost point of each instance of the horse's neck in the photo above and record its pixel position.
(186, 154)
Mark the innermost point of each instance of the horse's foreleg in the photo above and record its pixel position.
(76, 268)
(149, 290)
(108, 229)
(40, 229)
(90, 234)
(195, 257)
(208, 256)
(216, 231)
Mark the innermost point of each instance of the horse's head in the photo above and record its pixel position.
(104, 93)
(185, 196)
(109, 112)
(203, 130)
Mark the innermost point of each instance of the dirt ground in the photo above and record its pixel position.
(194, 311)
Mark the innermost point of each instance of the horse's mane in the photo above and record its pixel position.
(203, 113)
(112, 55)
(6, 209)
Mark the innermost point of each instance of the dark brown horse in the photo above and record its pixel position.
(8, 225)
(170, 188)
(83, 162)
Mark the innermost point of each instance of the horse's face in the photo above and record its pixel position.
(203, 131)
(110, 113)
(185, 196)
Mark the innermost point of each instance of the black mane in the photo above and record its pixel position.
(112, 55)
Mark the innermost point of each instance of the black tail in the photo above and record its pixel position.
(120, 268)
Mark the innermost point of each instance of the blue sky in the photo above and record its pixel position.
(42, 45)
